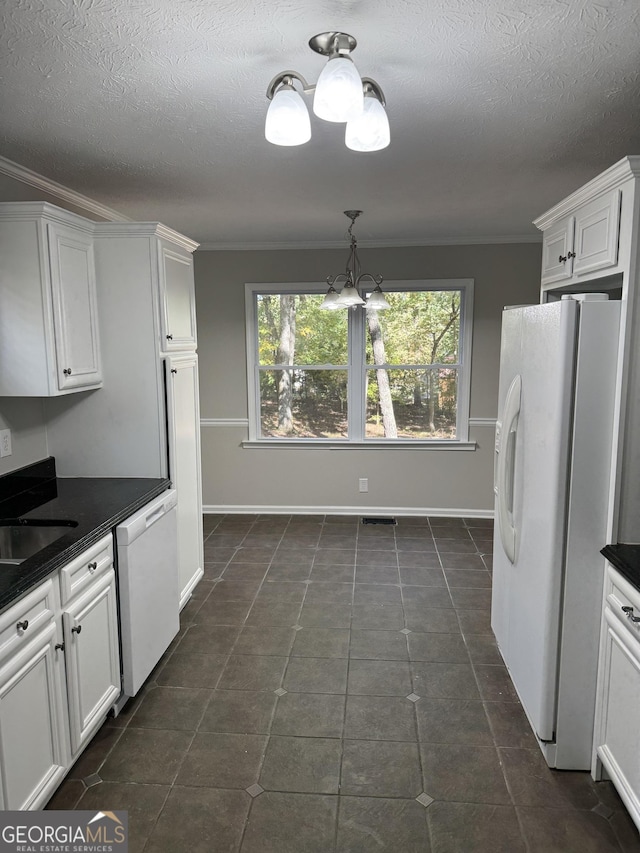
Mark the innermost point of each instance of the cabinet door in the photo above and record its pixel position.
(92, 657)
(557, 251)
(597, 230)
(75, 315)
(184, 467)
(177, 300)
(33, 751)
(618, 735)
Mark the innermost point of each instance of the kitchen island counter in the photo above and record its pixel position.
(96, 504)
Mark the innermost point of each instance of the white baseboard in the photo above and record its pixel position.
(212, 509)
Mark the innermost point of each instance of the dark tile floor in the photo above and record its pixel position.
(335, 686)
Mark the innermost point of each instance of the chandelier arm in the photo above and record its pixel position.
(332, 279)
(377, 279)
(287, 78)
(370, 86)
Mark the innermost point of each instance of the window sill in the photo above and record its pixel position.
(373, 444)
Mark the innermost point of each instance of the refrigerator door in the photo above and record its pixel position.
(531, 485)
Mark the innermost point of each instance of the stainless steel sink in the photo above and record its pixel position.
(21, 539)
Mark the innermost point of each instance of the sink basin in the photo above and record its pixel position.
(21, 539)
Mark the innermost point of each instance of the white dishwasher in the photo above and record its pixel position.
(148, 587)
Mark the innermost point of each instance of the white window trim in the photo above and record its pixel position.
(357, 362)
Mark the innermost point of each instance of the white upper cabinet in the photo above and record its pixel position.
(177, 299)
(75, 317)
(596, 234)
(557, 251)
(49, 337)
(584, 243)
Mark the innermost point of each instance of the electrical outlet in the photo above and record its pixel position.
(5, 442)
(363, 484)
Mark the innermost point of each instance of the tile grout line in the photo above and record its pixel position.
(346, 693)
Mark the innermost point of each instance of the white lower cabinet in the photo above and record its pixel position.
(617, 735)
(59, 675)
(90, 626)
(34, 753)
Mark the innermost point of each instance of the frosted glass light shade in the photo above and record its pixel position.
(330, 302)
(377, 301)
(349, 296)
(287, 120)
(338, 95)
(370, 131)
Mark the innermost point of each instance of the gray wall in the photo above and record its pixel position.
(25, 418)
(414, 480)
(233, 477)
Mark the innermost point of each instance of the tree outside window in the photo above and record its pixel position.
(359, 375)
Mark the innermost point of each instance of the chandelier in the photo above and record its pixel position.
(340, 95)
(350, 296)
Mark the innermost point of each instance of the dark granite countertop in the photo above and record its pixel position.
(626, 559)
(96, 504)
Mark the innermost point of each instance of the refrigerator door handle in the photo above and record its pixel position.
(506, 468)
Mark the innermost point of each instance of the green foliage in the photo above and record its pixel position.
(321, 336)
(421, 328)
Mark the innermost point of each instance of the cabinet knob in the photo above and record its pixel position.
(76, 629)
(174, 370)
(571, 254)
(67, 371)
(59, 647)
(169, 337)
(92, 567)
(23, 625)
(629, 612)
(562, 259)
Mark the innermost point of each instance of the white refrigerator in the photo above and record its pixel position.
(551, 483)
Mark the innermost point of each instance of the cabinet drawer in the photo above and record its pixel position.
(77, 575)
(623, 600)
(23, 620)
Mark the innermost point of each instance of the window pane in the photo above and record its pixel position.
(421, 327)
(411, 403)
(303, 403)
(293, 330)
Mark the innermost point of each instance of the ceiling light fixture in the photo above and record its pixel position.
(350, 296)
(340, 95)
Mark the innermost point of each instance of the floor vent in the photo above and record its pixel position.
(380, 520)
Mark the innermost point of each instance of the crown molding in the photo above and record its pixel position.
(370, 244)
(623, 170)
(33, 179)
(145, 229)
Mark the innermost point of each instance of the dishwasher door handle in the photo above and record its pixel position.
(146, 518)
(155, 515)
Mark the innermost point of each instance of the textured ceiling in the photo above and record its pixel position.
(498, 108)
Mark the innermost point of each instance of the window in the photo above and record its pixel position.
(398, 376)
